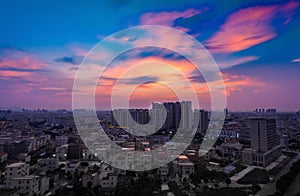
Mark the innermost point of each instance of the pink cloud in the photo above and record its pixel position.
(21, 60)
(235, 83)
(19, 64)
(166, 18)
(30, 81)
(249, 27)
(296, 60)
(227, 62)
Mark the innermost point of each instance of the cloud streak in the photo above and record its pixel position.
(74, 60)
(249, 27)
(168, 18)
(296, 60)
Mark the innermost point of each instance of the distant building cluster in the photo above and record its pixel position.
(263, 110)
(167, 115)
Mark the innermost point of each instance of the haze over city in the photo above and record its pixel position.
(254, 44)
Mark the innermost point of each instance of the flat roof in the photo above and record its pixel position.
(15, 165)
(25, 178)
(186, 163)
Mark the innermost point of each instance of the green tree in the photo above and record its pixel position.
(228, 181)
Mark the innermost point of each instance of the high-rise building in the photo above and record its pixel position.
(265, 146)
(121, 117)
(263, 134)
(158, 115)
(118, 117)
(186, 114)
(170, 118)
(140, 116)
(178, 114)
(271, 110)
(226, 111)
(200, 119)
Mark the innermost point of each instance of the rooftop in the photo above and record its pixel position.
(15, 165)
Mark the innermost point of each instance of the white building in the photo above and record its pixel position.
(27, 185)
(17, 177)
(263, 159)
(186, 114)
(183, 166)
(158, 115)
(38, 142)
(16, 170)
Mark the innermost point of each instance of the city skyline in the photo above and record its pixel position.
(254, 44)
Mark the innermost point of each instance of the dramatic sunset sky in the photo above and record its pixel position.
(256, 46)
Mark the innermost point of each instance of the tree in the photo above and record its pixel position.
(62, 165)
(84, 164)
(205, 180)
(228, 181)
(89, 185)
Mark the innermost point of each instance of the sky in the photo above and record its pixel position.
(254, 43)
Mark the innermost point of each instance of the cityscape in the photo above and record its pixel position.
(163, 98)
(255, 153)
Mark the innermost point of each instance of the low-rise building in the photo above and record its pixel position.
(105, 180)
(109, 180)
(47, 164)
(252, 157)
(183, 166)
(27, 185)
(16, 170)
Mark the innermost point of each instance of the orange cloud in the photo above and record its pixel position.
(249, 27)
(145, 94)
(112, 74)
